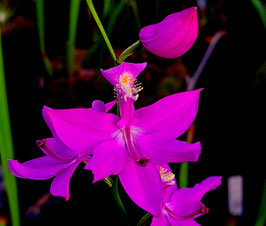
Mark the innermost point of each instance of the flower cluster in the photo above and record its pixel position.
(138, 144)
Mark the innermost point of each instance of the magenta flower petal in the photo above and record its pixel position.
(108, 159)
(80, 129)
(60, 184)
(143, 185)
(173, 36)
(162, 220)
(174, 222)
(171, 116)
(37, 169)
(163, 151)
(109, 105)
(185, 202)
(113, 74)
(56, 149)
(199, 190)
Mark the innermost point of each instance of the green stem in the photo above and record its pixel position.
(40, 26)
(261, 219)
(184, 167)
(6, 148)
(183, 175)
(100, 26)
(114, 190)
(73, 21)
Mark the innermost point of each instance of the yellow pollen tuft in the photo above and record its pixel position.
(126, 79)
(167, 176)
(127, 87)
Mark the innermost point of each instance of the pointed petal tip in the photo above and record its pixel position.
(46, 108)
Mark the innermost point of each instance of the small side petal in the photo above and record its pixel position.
(143, 185)
(60, 184)
(162, 150)
(80, 129)
(37, 169)
(98, 105)
(171, 116)
(109, 105)
(108, 159)
(113, 74)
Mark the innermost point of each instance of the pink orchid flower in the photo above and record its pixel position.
(181, 206)
(59, 161)
(132, 144)
(173, 36)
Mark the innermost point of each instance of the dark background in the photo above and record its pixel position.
(230, 123)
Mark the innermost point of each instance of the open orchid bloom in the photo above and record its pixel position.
(181, 206)
(59, 161)
(173, 36)
(131, 145)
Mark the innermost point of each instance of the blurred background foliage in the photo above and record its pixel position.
(52, 52)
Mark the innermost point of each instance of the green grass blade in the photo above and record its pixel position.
(116, 11)
(261, 11)
(6, 148)
(40, 27)
(136, 12)
(261, 220)
(72, 31)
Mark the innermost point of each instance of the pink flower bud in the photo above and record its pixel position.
(173, 36)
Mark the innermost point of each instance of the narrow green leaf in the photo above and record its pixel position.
(261, 11)
(41, 32)
(6, 148)
(116, 11)
(114, 190)
(144, 219)
(107, 5)
(72, 31)
(128, 51)
(261, 219)
(136, 12)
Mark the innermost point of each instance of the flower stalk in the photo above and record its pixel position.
(100, 26)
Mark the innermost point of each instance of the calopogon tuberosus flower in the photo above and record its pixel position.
(173, 36)
(181, 206)
(131, 145)
(60, 161)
